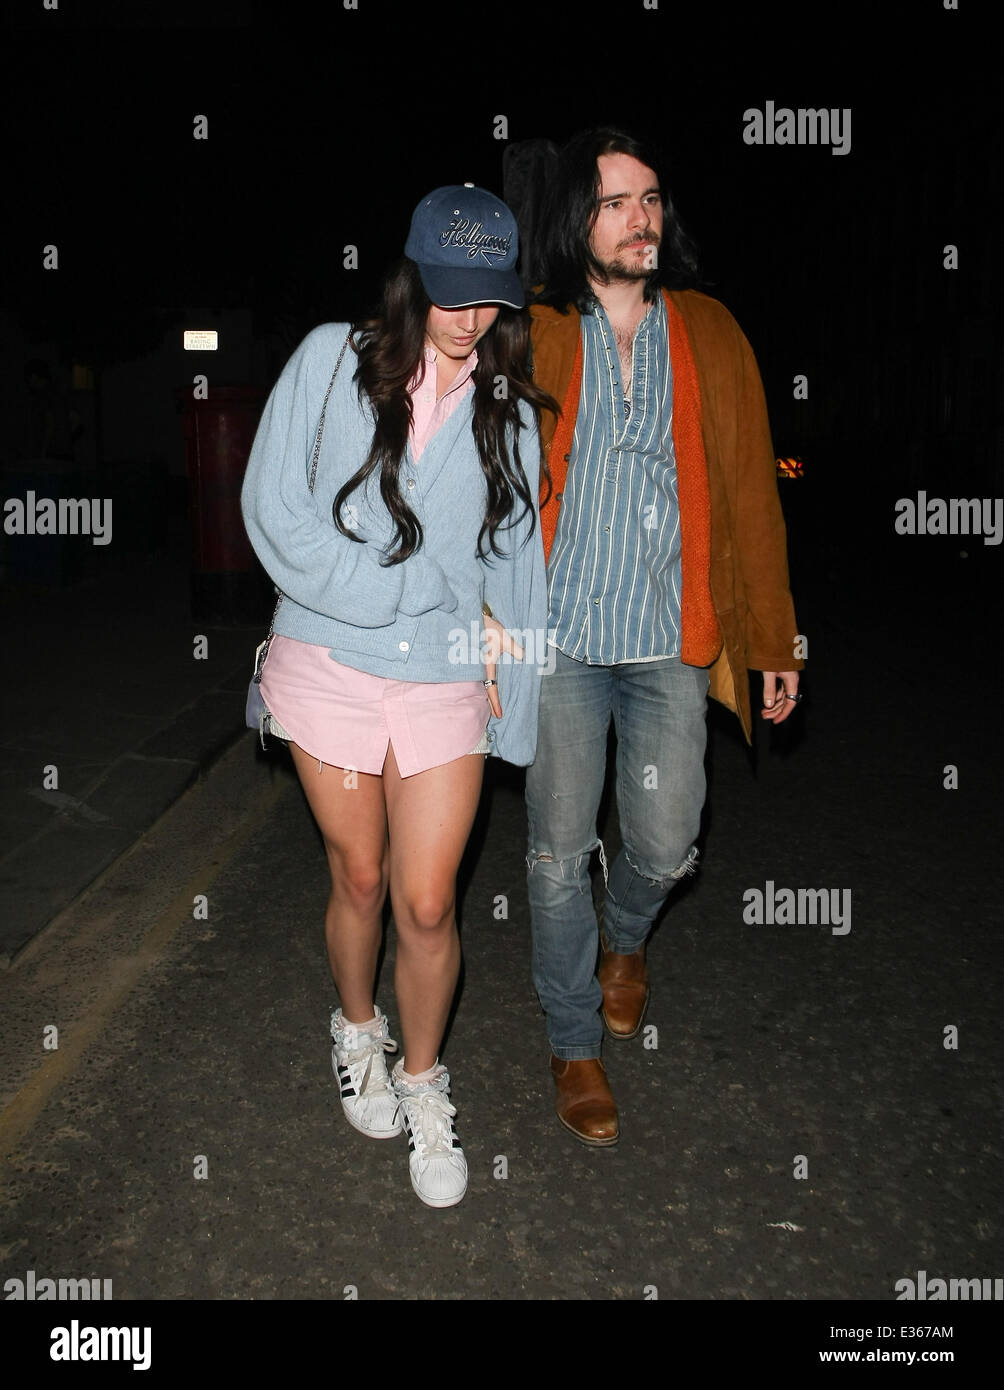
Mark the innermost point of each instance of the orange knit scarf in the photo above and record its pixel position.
(699, 633)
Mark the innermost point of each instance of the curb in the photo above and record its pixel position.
(43, 877)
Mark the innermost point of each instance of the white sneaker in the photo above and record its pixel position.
(357, 1059)
(435, 1158)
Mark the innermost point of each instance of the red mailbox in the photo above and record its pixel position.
(228, 584)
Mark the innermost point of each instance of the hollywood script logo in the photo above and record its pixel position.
(469, 235)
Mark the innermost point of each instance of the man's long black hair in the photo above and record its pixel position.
(572, 205)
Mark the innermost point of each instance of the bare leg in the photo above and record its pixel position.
(429, 817)
(353, 821)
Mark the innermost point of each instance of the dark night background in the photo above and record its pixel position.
(327, 125)
(326, 133)
(323, 134)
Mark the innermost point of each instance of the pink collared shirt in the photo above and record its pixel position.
(428, 413)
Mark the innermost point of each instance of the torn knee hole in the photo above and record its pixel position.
(687, 867)
(657, 880)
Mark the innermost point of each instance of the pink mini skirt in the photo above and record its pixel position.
(347, 718)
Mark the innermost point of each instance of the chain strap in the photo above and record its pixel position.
(320, 423)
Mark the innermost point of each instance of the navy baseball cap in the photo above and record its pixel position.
(465, 244)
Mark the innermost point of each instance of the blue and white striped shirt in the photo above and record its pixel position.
(614, 571)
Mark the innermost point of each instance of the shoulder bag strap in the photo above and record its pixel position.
(320, 423)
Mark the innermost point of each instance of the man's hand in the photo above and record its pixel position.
(780, 695)
(495, 640)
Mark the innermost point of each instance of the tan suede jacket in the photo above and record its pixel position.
(748, 571)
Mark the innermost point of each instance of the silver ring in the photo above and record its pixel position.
(795, 698)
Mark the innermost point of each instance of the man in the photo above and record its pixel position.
(667, 576)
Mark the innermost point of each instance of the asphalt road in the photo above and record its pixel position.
(183, 1036)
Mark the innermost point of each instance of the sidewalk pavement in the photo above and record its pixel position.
(109, 715)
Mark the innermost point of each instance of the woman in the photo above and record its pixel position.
(420, 527)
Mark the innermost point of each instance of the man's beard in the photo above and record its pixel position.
(622, 271)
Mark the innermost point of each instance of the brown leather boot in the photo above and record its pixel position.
(585, 1103)
(624, 980)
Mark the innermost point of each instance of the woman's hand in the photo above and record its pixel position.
(495, 640)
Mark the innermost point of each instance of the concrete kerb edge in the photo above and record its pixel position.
(200, 767)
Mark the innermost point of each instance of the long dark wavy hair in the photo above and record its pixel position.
(572, 206)
(390, 352)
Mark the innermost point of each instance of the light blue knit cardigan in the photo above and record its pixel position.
(412, 621)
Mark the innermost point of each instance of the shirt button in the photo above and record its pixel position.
(596, 600)
(606, 528)
(411, 482)
(403, 646)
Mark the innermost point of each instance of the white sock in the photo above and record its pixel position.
(370, 1022)
(430, 1075)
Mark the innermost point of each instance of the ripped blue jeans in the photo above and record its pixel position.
(659, 711)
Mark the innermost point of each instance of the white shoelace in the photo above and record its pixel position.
(370, 1085)
(434, 1115)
